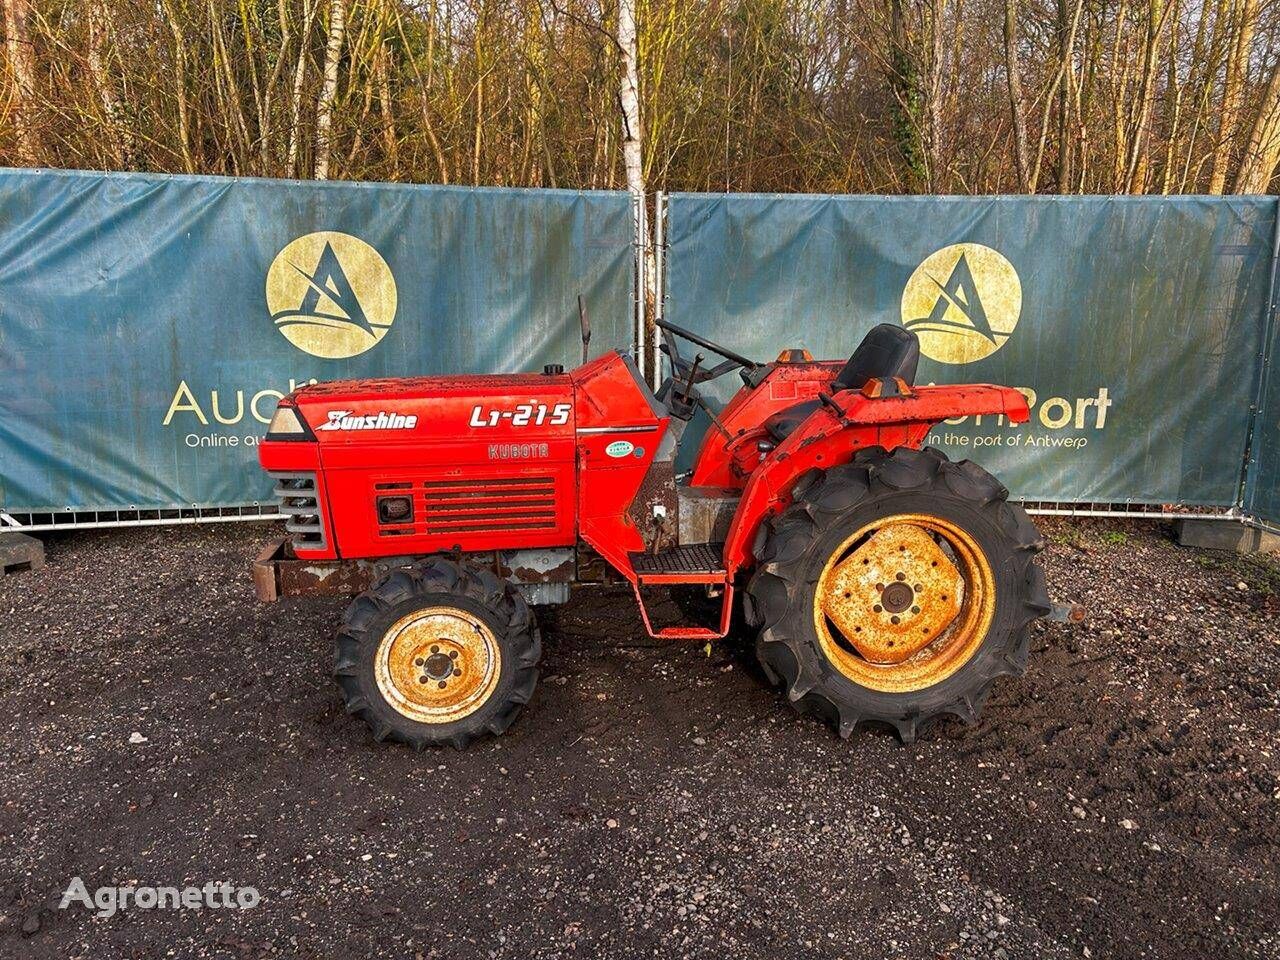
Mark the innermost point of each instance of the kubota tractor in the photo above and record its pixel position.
(886, 582)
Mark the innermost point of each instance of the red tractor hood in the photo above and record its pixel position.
(509, 461)
(454, 407)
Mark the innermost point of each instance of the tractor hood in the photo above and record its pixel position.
(514, 406)
(400, 467)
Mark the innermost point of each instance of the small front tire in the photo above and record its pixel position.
(438, 654)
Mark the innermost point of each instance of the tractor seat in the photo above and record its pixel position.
(887, 350)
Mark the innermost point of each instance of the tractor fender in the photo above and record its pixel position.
(933, 404)
(828, 439)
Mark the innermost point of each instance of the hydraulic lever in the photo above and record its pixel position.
(829, 402)
(693, 372)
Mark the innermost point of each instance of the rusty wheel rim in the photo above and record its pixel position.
(904, 603)
(438, 664)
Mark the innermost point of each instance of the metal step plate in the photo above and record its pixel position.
(696, 558)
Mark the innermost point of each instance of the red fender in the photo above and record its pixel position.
(826, 439)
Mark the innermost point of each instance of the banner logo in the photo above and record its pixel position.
(331, 294)
(963, 302)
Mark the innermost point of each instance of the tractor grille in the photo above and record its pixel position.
(303, 516)
(481, 505)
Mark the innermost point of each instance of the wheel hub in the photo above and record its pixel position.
(897, 597)
(438, 664)
(894, 595)
(904, 602)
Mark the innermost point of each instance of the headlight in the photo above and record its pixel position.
(287, 425)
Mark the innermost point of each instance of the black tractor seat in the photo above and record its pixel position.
(886, 351)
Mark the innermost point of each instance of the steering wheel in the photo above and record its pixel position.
(691, 373)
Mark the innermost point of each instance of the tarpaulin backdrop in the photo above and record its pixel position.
(127, 301)
(1262, 493)
(1138, 323)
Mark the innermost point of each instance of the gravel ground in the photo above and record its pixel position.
(164, 728)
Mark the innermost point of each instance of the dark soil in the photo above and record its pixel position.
(655, 800)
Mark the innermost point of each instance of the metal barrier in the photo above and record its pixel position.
(1139, 327)
(167, 272)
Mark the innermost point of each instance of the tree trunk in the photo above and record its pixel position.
(632, 158)
(329, 89)
(98, 58)
(629, 98)
(180, 86)
(477, 138)
(1173, 99)
(1066, 68)
(389, 142)
(1021, 160)
(905, 87)
(933, 109)
(1066, 45)
(1135, 166)
(1232, 91)
(22, 59)
(299, 80)
(1258, 166)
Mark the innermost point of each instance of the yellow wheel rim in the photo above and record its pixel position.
(438, 664)
(904, 603)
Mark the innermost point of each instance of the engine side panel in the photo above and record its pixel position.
(489, 462)
(619, 429)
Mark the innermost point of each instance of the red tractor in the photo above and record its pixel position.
(886, 582)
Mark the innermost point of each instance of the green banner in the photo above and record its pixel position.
(149, 323)
(1262, 488)
(1134, 325)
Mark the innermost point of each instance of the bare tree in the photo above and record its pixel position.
(324, 105)
(22, 62)
(180, 88)
(1089, 96)
(1258, 168)
(1013, 75)
(1232, 92)
(632, 137)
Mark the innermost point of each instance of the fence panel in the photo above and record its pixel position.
(148, 323)
(1262, 485)
(1134, 324)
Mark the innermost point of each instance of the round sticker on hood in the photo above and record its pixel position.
(619, 448)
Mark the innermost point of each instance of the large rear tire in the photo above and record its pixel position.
(438, 654)
(895, 588)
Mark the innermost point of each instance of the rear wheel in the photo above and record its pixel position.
(896, 588)
(438, 654)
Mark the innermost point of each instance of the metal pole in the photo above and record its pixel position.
(638, 216)
(659, 280)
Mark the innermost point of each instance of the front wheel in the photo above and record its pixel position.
(438, 654)
(896, 588)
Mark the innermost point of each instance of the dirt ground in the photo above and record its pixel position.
(164, 728)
